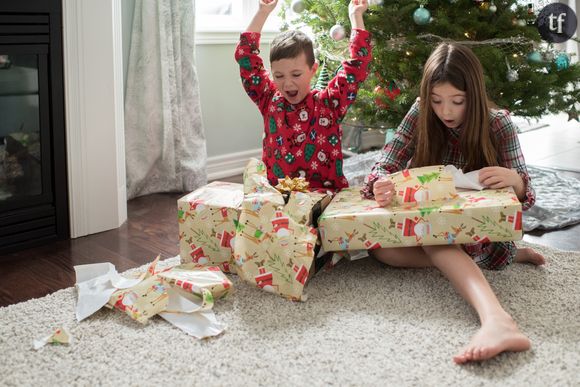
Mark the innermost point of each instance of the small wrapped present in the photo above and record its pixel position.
(275, 242)
(351, 222)
(207, 224)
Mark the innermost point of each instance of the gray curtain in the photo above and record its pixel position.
(164, 136)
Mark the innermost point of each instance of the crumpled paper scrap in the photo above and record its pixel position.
(468, 180)
(60, 336)
(97, 282)
(181, 295)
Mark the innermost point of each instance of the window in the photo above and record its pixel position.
(221, 21)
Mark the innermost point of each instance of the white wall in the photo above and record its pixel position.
(232, 121)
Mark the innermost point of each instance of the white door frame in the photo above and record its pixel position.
(93, 74)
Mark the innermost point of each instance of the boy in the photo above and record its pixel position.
(302, 137)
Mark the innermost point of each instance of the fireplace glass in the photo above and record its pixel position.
(20, 150)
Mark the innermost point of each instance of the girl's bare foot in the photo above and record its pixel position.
(527, 255)
(497, 335)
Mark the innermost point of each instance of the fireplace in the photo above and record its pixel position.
(33, 178)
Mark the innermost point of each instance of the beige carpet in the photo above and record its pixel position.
(363, 324)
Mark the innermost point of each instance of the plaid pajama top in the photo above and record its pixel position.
(304, 140)
(397, 155)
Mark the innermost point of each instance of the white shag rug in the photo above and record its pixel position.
(363, 324)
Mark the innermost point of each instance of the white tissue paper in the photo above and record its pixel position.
(468, 180)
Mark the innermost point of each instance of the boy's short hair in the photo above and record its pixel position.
(290, 44)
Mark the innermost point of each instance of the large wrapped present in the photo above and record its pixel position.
(275, 241)
(351, 222)
(207, 227)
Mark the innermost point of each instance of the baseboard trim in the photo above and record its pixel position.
(229, 165)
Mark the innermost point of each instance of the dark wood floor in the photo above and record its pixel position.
(151, 229)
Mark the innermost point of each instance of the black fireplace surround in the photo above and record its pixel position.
(33, 179)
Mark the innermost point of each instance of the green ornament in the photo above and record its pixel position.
(534, 57)
(562, 61)
(421, 16)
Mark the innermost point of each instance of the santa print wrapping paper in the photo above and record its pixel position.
(207, 224)
(351, 222)
(150, 297)
(275, 243)
(422, 185)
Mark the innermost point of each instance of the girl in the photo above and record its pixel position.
(452, 123)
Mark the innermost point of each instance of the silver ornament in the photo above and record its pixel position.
(337, 32)
(512, 75)
(492, 8)
(298, 6)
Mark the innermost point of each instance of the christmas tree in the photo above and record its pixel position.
(523, 73)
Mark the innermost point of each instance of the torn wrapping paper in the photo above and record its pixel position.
(60, 336)
(96, 283)
(191, 315)
(352, 223)
(182, 291)
(195, 280)
(275, 242)
(469, 180)
(418, 185)
(207, 227)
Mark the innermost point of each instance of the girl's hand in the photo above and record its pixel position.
(500, 177)
(357, 7)
(267, 5)
(384, 191)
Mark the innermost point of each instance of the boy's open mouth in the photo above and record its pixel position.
(292, 94)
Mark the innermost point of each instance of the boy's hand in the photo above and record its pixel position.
(357, 7)
(384, 191)
(264, 9)
(267, 5)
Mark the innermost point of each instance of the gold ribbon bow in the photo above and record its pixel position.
(295, 184)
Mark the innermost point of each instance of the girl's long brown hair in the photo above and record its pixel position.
(458, 65)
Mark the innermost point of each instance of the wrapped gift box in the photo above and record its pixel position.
(351, 222)
(207, 224)
(276, 241)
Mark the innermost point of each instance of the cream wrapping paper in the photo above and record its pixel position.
(207, 223)
(422, 185)
(351, 222)
(183, 295)
(275, 243)
(151, 296)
